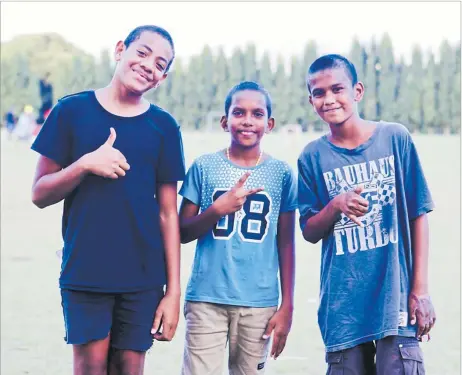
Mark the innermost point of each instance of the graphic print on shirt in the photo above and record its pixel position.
(377, 177)
(251, 221)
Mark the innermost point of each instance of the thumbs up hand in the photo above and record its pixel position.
(107, 161)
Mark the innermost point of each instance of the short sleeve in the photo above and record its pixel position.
(55, 138)
(191, 187)
(418, 197)
(309, 203)
(289, 192)
(171, 167)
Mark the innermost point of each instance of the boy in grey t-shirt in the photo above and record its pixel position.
(363, 192)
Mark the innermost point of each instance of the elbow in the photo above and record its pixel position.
(311, 239)
(37, 201)
(310, 236)
(183, 235)
(184, 238)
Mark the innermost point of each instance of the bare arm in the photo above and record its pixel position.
(317, 226)
(350, 203)
(192, 225)
(281, 321)
(286, 249)
(421, 308)
(168, 311)
(52, 183)
(169, 228)
(420, 239)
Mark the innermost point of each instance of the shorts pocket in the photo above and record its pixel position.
(185, 308)
(412, 360)
(334, 363)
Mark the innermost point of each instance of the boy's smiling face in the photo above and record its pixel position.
(333, 96)
(247, 119)
(143, 64)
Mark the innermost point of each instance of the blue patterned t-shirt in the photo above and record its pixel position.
(366, 272)
(236, 262)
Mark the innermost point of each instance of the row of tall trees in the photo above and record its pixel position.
(423, 93)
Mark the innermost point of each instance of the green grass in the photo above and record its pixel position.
(32, 326)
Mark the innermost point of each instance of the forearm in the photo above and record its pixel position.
(286, 253)
(54, 187)
(420, 239)
(320, 224)
(196, 226)
(287, 272)
(169, 227)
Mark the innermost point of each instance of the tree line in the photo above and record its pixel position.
(423, 93)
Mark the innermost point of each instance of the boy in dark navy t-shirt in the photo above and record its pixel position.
(116, 159)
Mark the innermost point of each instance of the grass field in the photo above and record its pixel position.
(31, 317)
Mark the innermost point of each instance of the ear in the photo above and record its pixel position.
(120, 47)
(224, 123)
(310, 99)
(164, 76)
(271, 124)
(358, 91)
(160, 81)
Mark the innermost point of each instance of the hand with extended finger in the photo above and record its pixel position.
(352, 204)
(107, 161)
(234, 199)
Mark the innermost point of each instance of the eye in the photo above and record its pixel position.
(259, 114)
(317, 94)
(337, 89)
(237, 112)
(160, 67)
(141, 53)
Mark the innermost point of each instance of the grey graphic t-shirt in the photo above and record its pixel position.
(366, 272)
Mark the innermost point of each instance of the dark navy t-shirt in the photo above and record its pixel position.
(111, 232)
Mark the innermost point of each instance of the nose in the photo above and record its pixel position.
(145, 66)
(247, 120)
(329, 98)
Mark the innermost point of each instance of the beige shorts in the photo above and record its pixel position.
(210, 326)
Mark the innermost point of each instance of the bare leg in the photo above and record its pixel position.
(126, 362)
(91, 358)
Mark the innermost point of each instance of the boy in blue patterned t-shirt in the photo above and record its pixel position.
(362, 191)
(245, 235)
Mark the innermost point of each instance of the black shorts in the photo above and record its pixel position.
(127, 317)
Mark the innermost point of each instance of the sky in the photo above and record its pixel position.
(279, 27)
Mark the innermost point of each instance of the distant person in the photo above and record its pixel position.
(116, 160)
(46, 98)
(245, 239)
(362, 191)
(26, 124)
(10, 122)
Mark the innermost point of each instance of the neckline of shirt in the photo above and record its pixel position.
(104, 110)
(225, 158)
(359, 148)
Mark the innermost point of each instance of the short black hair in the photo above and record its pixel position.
(248, 85)
(332, 61)
(136, 33)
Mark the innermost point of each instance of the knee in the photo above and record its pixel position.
(125, 362)
(85, 366)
